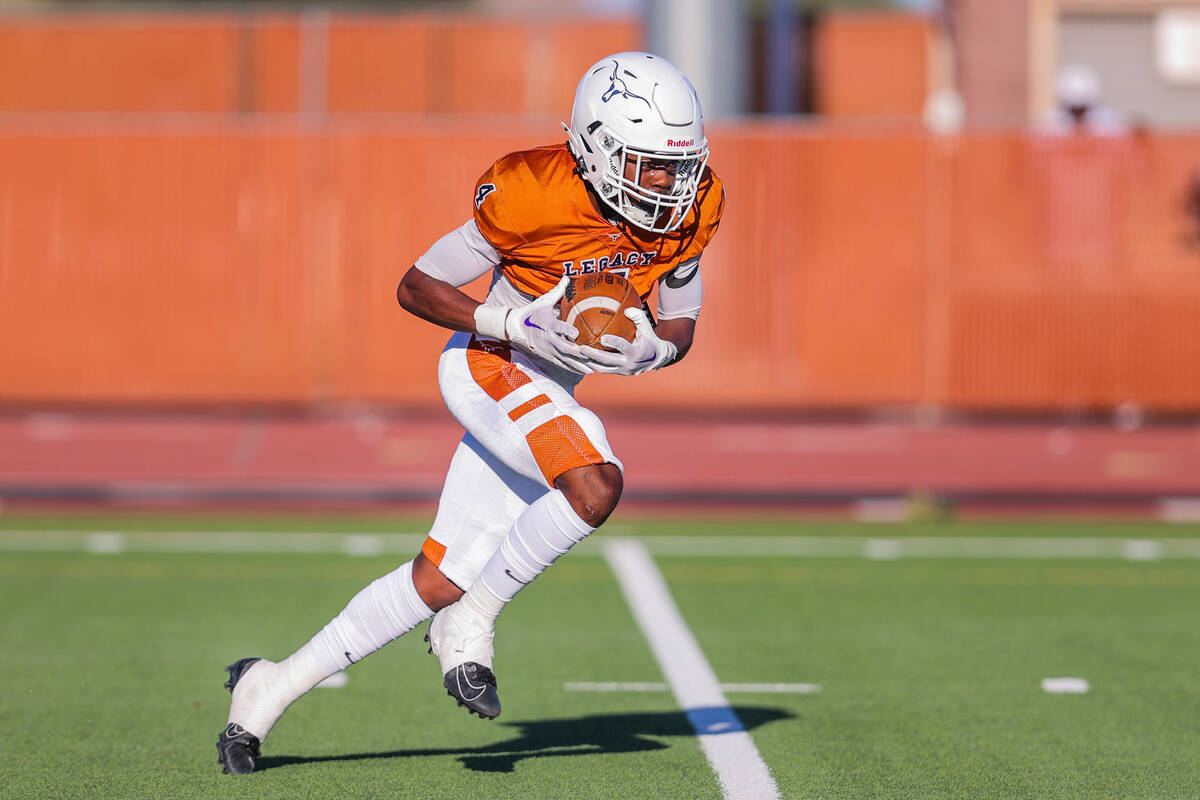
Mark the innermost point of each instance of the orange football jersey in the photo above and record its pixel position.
(535, 210)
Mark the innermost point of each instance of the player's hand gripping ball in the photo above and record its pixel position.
(595, 304)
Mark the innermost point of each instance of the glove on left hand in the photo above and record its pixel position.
(646, 352)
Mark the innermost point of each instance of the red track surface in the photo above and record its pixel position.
(367, 459)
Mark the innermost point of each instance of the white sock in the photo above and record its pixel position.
(385, 610)
(543, 532)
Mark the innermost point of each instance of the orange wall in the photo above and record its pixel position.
(872, 63)
(284, 62)
(99, 63)
(257, 261)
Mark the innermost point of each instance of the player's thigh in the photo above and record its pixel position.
(480, 500)
(523, 417)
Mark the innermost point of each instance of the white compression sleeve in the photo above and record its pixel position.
(543, 532)
(459, 257)
(385, 610)
(680, 291)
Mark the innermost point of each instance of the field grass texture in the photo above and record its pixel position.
(929, 669)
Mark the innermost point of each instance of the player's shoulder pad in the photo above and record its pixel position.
(514, 195)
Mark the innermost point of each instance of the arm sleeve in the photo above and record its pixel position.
(680, 292)
(459, 257)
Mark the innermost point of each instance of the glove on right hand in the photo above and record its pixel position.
(536, 329)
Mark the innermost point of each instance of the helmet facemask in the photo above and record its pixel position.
(650, 209)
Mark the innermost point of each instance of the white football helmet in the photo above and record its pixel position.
(635, 108)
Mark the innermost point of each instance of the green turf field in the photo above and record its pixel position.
(929, 669)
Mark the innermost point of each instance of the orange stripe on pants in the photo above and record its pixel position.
(557, 445)
(526, 407)
(434, 550)
(492, 370)
(560, 445)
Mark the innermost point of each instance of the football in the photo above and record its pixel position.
(595, 304)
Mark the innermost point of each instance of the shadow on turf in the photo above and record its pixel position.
(599, 733)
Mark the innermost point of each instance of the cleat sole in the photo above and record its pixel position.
(470, 710)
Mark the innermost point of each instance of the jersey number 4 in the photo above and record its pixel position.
(484, 190)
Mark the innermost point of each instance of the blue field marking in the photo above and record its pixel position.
(714, 720)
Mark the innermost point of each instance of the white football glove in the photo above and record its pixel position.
(646, 352)
(536, 329)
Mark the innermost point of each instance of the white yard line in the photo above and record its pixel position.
(1065, 686)
(741, 772)
(368, 544)
(921, 547)
(211, 542)
(1179, 509)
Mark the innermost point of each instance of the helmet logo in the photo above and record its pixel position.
(617, 87)
(680, 142)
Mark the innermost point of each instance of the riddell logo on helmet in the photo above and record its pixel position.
(680, 142)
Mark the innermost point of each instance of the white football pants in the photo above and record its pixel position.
(524, 429)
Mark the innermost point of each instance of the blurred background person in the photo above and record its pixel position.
(1080, 109)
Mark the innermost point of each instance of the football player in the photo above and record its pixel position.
(534, 474)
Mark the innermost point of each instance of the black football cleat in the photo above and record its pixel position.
(474, 686)
(462, 641)
(237, 748)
